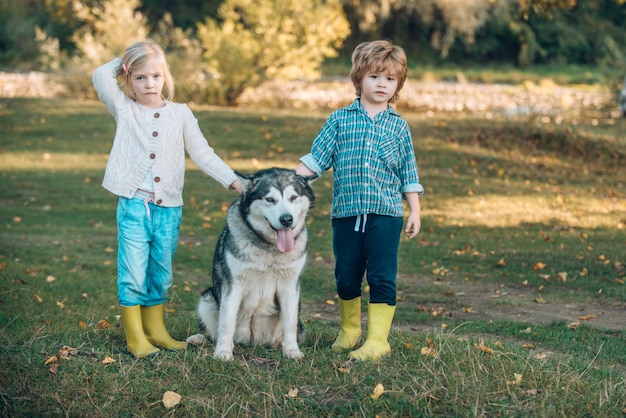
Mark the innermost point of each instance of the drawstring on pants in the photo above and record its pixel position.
(358, 224)
(147, 198)
(145, 203)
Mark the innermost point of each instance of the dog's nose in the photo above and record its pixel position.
(286, 220)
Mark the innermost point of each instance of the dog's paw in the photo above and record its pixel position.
(196, 339)
(225, 355)
(293, 353)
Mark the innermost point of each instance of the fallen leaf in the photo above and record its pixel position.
(573, 325)
(171, 399)
(587, 317)
(517, 381)
(108, 360)
(37, 298)
(293, 393)
(330, 302)
(467, 309)
(561, 277)
(541, 356)
(539, 300)
(104, 324)
(527, 330)
(378, 391)
(482, 347)
(50, 279)
(54, 368)
(60, 304)
(528, 346)
(539, 266)
(65, 352)
(429, 351)
(51, 359)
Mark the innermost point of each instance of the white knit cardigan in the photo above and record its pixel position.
(153, 138)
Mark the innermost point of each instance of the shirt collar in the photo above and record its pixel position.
(356, 105)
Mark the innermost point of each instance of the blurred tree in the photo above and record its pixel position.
(108, 29)
(18, 19)
(184, 56)
(184, 14)
(262, 39)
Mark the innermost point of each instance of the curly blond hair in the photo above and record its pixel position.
(378, 56)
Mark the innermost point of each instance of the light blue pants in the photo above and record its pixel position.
(147, 239)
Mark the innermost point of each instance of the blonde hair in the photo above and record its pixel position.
(378, 56)
(137, 55)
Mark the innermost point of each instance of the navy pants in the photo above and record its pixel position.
(367, 243)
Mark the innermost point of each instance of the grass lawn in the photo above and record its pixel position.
(513, 204)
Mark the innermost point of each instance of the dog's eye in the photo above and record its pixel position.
(293, 198)
(270, 199)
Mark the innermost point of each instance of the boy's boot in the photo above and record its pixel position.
(379, 318)
(154, 327)
(136, 340)
(350, 327)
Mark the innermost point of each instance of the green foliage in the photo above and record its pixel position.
(255, 40)
(18, 19)
(184, 56)
(108, 29)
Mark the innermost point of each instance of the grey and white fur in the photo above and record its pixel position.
(255, 296)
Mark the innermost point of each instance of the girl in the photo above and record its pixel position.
(146, 169)
(369, 147)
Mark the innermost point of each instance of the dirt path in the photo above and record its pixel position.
(474, 301)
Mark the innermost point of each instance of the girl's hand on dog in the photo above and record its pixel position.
(236, 185)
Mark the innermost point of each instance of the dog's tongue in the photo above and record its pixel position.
(285, 240)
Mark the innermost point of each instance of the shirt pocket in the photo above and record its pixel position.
(388, 151)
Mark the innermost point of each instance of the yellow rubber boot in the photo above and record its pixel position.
(154, 327)
(136, 340)
(350, 326)
(379, 318)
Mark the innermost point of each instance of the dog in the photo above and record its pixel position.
(255, 296)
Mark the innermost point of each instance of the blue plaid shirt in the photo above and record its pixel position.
(372, 159)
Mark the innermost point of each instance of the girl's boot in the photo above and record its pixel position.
(350, 327)
(136, 340)
(379, 318)
(154, 327)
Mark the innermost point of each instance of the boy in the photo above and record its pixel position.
(369, 147)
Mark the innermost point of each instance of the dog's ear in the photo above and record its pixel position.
(246, 181)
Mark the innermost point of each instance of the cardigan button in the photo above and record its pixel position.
(155, 134)
(157, 179)
(157, 115)
(152, 156)
(158, 202)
